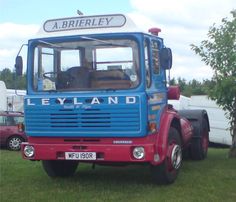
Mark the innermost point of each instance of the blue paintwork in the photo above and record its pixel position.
(86, 120)
(112, 120)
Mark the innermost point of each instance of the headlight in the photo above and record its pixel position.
(29, 151)
(139, 152)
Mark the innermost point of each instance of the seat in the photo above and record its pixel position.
(115, 79)
(112, 84)
(62, 80)
(75, 77)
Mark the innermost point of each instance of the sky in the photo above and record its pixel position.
(183, 22)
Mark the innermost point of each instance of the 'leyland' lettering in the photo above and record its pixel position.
(79, 101)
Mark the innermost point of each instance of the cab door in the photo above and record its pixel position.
(155, 81)
(159, 74)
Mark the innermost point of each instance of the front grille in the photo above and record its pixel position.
(96, 120)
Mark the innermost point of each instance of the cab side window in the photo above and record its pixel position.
(155, 57)
(147, 66)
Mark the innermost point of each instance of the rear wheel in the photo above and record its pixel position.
(14, 143)
(60, 168)
(199, 146)
(167, 172)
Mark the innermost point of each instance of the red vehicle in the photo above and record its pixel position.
(12, 130)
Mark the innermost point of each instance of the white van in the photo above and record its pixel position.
(219, 127)
(3, 96)
(218, 121)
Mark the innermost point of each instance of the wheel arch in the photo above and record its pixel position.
(169, 119)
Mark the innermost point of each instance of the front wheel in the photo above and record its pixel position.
(167, 172)
(60, 168)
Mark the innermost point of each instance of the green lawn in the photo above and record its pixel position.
(213, 179)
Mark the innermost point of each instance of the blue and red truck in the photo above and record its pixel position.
(97, 92)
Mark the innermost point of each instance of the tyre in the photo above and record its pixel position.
(60, 168)
(14, 143)
(199, 146)
(167, 172)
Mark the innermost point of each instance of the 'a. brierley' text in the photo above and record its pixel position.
(67, 24)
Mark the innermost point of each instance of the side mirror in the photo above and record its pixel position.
(19, 65)
(166, 58)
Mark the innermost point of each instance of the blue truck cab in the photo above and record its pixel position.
(97, 92)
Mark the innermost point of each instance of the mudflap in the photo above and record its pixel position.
(197, 119)
(201, 127)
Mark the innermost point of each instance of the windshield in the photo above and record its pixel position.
(87, 64)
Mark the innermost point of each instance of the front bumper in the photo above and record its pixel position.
(107, 150)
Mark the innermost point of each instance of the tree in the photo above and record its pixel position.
(11, 80)
(219, 52)
(190, 88)
(6, 76)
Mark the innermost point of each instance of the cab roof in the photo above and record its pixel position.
(96, 24)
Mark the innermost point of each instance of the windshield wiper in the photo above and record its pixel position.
(50, 44)
(109, 89)
(57, 47)
(102, 41)
(51, 91)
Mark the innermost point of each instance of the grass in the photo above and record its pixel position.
(213, 179)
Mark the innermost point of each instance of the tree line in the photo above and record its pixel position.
(11, 80)
(187, 88)
(193, 87)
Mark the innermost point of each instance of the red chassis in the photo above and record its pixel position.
(113, 149)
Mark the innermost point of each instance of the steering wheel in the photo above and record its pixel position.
(52, 78)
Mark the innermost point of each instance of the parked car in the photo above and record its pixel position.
(12, 130)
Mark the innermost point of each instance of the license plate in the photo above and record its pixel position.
(80, 155)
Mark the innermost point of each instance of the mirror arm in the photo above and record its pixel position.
(21, 49)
